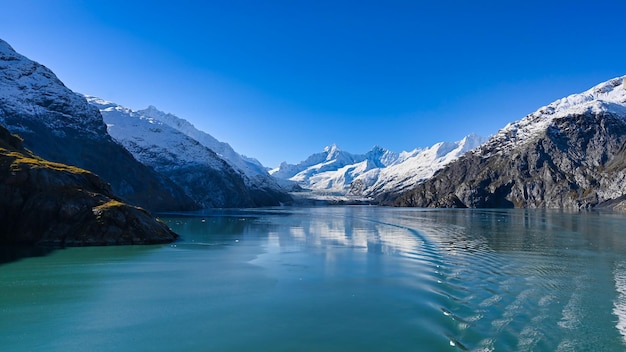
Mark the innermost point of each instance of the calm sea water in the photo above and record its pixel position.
(330, 279)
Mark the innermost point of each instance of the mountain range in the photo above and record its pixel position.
(61, 126)
(54, 204)
(209, 171)
(568, 154)
(339, 173)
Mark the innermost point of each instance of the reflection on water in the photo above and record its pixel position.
(334, 279)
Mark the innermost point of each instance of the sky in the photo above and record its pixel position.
(280, 80)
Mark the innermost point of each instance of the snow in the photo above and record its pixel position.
(252, 169)
(155, 137)
(416, 166)
(377, 171)
(32, 91)
(334, 169)
(606, 97)
(151, 141)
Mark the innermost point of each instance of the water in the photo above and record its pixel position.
(330, 279)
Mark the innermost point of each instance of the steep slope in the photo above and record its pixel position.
(568, 154)
(250, 167)
(55, 204)
(379, 170)
(205, 176)
(412, 167)
(264, 189)
(333, 170)
(61, 126)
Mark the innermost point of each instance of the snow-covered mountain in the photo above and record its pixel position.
(411, 168)
(333, 169)
(607, 97)
(254, 173)
(379, 170)
(568, 154)
(59, 125)
(210, 172)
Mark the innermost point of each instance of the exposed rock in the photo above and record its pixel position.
(376, 172)
(570, 154)
(48, 203)
(59, 125)
(185, 155)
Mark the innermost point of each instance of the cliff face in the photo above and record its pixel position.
(49, 203)
(60, 125)
(572, 157)
(185, 155)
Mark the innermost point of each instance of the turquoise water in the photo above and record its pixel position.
(330, 279)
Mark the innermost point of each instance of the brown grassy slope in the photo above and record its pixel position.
(43, 202)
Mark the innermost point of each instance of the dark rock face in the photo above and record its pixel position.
(211, 188)
(221, 188)
(49, 203)
(210, 172)
(59, 125)
(211, 182)
(577, 162)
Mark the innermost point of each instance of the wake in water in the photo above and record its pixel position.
(522, 296)
(334, 279)
(619, 305)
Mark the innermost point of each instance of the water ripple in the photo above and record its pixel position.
(619, 305)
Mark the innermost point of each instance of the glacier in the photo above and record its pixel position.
(336, 173)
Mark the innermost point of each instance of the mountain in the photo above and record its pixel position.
(379, 170)
(333, 169)
(209, 171)
(49, 203)
(411, 168)
(59, 125)
(568, 154)
(264, 189)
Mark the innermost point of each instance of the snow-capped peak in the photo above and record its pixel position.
(331, 148)
(6, 48)
(175, 133)
(169, 119)
(378, 170)
(248, 166)
(30, 89)
(606, 97)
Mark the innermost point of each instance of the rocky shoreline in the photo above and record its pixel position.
(53, 204)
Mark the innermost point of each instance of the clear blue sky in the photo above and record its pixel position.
(279, 80)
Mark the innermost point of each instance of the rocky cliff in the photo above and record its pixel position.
(49, 203)
(210, 172)
(59, 125)
(569, 154)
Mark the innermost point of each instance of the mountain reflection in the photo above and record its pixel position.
(348, 228)
(381, 230)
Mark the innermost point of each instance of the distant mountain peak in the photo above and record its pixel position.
(379, 169)
(331, 151)
(330, 148)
